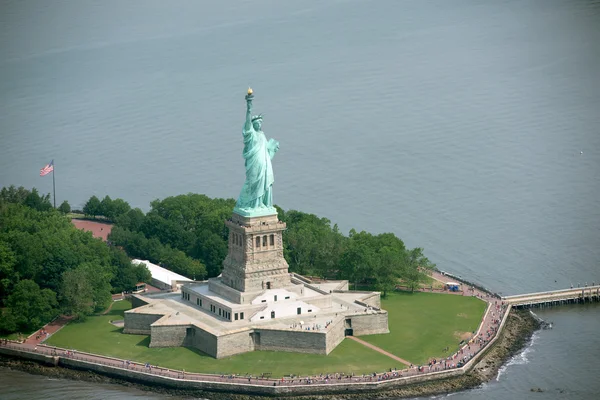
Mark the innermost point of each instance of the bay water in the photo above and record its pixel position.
(470, 128)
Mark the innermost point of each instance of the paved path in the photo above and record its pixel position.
(379, 349)
(108, 309)
(486, 332)
(50, 328)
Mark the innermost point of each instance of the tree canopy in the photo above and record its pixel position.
(64, 207)
(182, 229)
(48, 266)
(184, 233)
(108, 208)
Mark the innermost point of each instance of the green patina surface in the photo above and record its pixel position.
(256, 197)
(421, 325)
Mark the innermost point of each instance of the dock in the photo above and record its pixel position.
(551, 298)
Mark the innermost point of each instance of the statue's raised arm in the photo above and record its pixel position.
(249, 98)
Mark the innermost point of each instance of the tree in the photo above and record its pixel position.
(142, 273)
(92, 207)
(36, 249)
(415, 267)
(330, 247)
(106, 207)
(311, 245)
(136, 245)
(301, 243)
(177, 261)
(388, 269)
(8, 260)
(76, 293)
(167, 232)
(8, 322)
(211, 248)
(64, 207)
(132, 220)
(127, 275)
(99, 278)
(37, 202)
(13, 194)
(359, 258)
(31, 306)
(118, 208)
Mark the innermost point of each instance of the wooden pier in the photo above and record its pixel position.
(555, 297)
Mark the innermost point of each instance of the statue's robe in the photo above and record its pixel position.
(257, 189)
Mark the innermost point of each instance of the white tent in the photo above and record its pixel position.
(162, 277)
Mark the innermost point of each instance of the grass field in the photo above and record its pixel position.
(98, 335)
(429, 281)
(421, 325)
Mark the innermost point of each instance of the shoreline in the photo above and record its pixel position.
(515, 335)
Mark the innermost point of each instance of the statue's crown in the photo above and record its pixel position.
(257, 117)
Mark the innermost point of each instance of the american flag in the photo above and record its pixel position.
(47, 169)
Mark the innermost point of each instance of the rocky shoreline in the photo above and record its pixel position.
(517, 332)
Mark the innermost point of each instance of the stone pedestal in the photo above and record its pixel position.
(255, 259)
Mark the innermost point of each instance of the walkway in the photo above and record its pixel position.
(50, 328)
(487, 330)
(378, 349)
(587, 293)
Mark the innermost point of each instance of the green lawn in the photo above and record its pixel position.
(98, 335)
(15, 336)
(429, 281)
(423, 324)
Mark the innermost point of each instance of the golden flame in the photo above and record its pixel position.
(250, 90)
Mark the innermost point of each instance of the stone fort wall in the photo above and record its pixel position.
(203, 341)
(168, 335)
(136, 301)
(313, 342)
(369, 324)
(233, 343)
(335, 335)
(373, 299)
(139, 324)
(250, 339)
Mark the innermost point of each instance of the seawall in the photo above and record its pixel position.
(516, 329)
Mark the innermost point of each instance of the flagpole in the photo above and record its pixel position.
(53, 185)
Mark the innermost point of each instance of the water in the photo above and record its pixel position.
(16, 385)
(458, 125)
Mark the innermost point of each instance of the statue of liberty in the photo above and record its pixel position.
(256, 197)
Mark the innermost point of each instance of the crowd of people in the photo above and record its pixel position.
(470, 348)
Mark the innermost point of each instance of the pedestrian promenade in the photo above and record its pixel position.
(491, 321)
(555, 297)
(52, 327)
